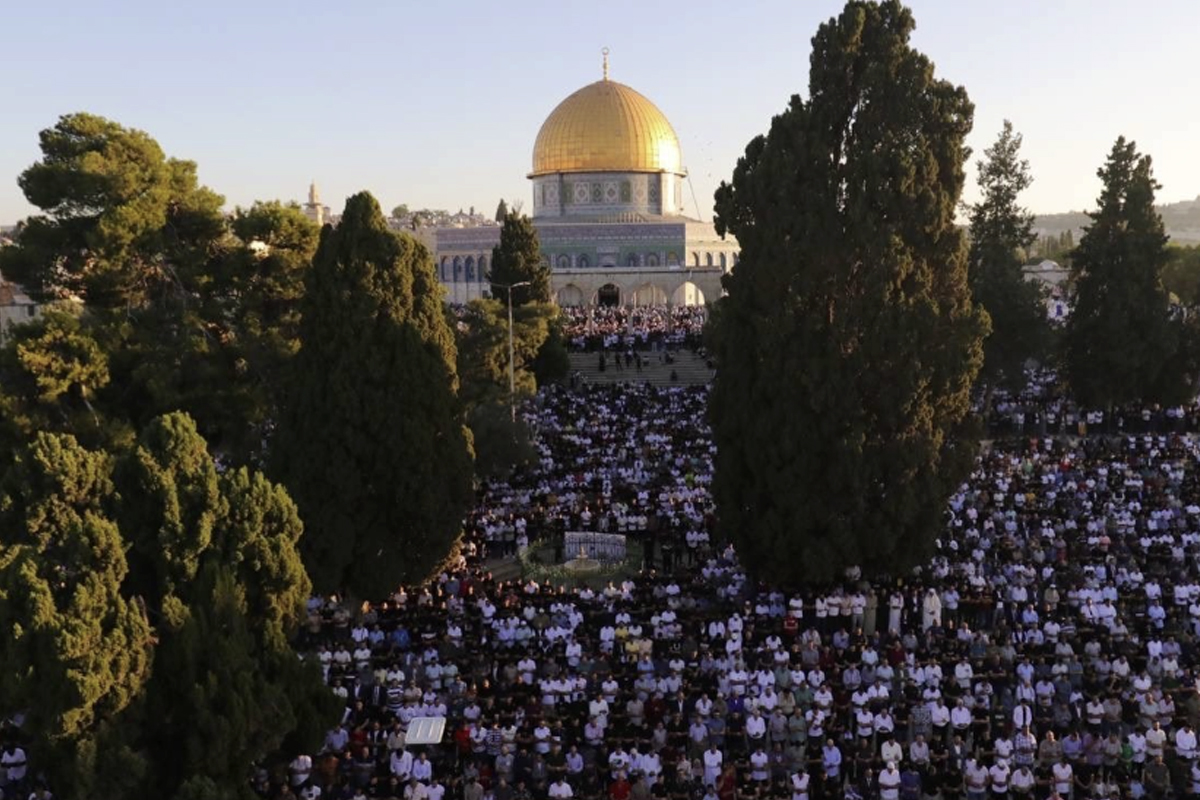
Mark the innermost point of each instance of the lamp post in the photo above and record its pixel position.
(512, 380)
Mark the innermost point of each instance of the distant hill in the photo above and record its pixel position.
(1182, 220)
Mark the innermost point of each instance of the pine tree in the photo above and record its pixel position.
(371, 444)
(74, 649)
(502, 211)
(516, 259)
(848, 341)
(121, 223)
(1121, 343)
(1001, 231)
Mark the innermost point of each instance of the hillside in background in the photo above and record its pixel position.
(1182, 220)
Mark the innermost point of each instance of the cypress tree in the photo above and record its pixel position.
(1121, 344)
(518, 258)
(848, 341)
(1001, 232)
(371, 444)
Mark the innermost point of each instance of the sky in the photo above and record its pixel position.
(437, 104)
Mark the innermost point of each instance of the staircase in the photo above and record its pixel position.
(690, 369)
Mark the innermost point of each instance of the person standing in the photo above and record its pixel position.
(870, 612)
(895, 610)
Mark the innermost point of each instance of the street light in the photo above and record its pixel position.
(512, 381)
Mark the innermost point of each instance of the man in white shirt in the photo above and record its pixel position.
(999, 775)
(713, 759)
(12, 761)
(560, 788)
(889, 782)
(1185, 742)
(401, 764)
(1063, 777)
(422, 769)
(891, 751)
(1022, 781)
(759, 771)
(800, 785)
(301, 769)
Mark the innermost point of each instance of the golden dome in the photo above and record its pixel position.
(606, 127)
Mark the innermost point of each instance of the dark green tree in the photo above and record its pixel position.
(52, 373)
(121, 224)
(518, 258)
(221, 575)
(1121, 345)
(482, 336)
(141, 672)
(1181, 275)
(848, 342)
(502, 211)
(371, 444)
(501, 444)
(74, 649)
(552, 362)
(1001, 232)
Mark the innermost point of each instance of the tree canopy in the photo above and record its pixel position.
(146, 603)
(1121, 343)
(371, 442)
(120, 221)
(848, 342)
(1001, 233)
(184, 307)
(517, 259)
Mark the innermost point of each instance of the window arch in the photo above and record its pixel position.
(723, 262)
(444, 269)
(582, 261)
(652, 260)
(482, 269)
(708, 260)
(457, 269)
(564, 261)
(695, 259)
(470, 267)
(672, 259)
(632, 260)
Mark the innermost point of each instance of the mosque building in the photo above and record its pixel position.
(608, 182)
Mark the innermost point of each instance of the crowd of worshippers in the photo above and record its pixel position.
(1048, 650)
(619, 328)
(1044, 408)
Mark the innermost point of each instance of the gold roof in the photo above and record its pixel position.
(606, 127)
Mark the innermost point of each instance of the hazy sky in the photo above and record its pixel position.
(437, 104)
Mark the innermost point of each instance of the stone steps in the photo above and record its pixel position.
(690, 369)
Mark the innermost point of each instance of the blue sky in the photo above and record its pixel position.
(437, 104)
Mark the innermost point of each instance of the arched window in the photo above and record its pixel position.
(708, 259)
(652, 260)
(564, 261)
(631, 261)
(672, 259)
(470, 269)
(723, 264)
(582, 262)
(695, 259)
(445, 269)
(457, 269)
(482, 269)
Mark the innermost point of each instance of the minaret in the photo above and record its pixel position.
(313, 208)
